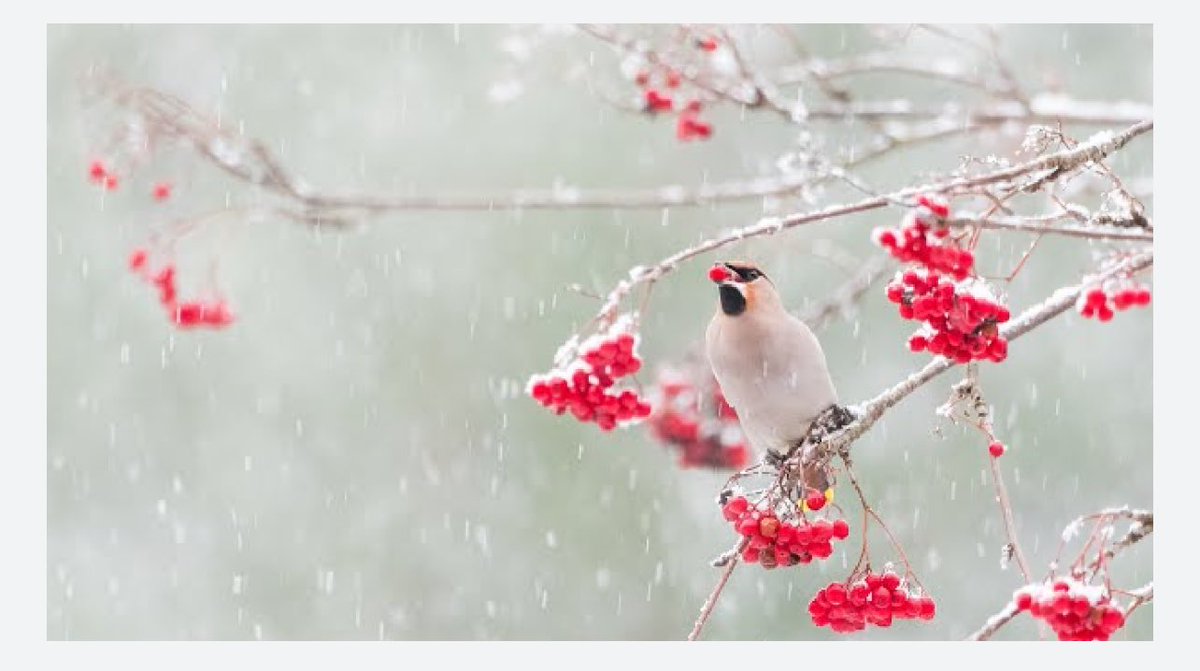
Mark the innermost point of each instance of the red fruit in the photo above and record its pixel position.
(1023, 601)
(747, 526)
(928, 609)
(804, 534)
(672, 79)
(734, 508)
(165, 281)
(858, 594)
(162, 191)
(707, 44)
(918, 343)
(1111, 619)
(719, 274)
(656, 102)
(890, 581)
(111, 182)
(137, 260)
(836, 594)
(97, 172)
(189, 314)
(768, 527)
(641, 78)
(935, 205)
(996, 449)
(818, 606)
(1081, 607)
(815, 501)
(841, 529)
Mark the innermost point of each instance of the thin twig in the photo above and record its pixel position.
(1010, 526)
(711, 601)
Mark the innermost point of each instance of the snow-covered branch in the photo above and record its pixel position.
(1143, 526)
(1096, 148)
(871, 411)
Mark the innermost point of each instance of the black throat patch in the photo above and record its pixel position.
(733, 303)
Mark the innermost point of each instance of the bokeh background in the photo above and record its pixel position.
(354, 458)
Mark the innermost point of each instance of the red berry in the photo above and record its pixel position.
(841, 529)
(162, 191)
(137, 260)
(97, 171)
(996, 449)
(1023, 601)
(656, 102)
(719, 274)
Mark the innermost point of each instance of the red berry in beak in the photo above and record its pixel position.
(719, 274)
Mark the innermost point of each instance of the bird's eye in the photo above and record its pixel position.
(750, 274)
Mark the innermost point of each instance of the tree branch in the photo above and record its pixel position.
(1143, 526)
(1097, 147)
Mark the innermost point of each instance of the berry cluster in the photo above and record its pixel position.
(688, 125)
(585, 385)
(923, 239)
(876, 599)
(706, 434)
(1075, 611)
(187, 314)
(1103, 302)
(961, 319)
(773, 542)
(99, 174)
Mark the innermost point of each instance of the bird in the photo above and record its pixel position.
(769, 365)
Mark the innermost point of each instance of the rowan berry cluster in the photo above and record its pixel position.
(660, 90)
(875, 599)
(184, 314)
(100, 174)
(923, 238)
(1075, 611)
(1105, 301)
(706, 434)
(689, 126)
(774, 542)
(585, 385)
(961, 319)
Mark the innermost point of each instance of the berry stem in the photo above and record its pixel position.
(1010, 527)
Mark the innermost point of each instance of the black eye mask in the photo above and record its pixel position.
(746, 274)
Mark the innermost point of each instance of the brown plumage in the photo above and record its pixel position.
(769, 364)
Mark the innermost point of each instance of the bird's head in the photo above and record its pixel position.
(743, 287)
